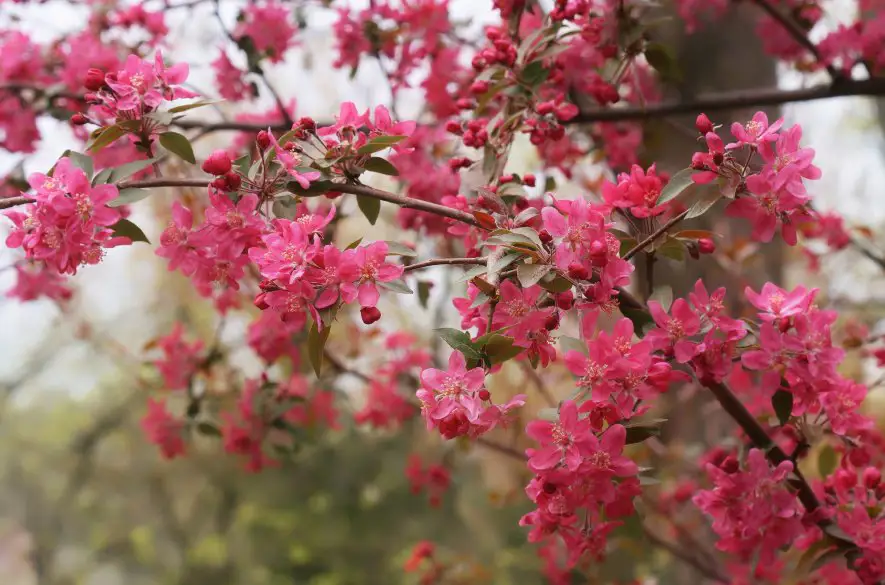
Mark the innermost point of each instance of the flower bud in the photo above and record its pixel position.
(577, 271)
(484, 395)
(263, 139)
(552, 322)
(871, 478)
(529, 180)
(545, 237)
(370, 314)
(730, 465)
(79, 119)
(218, 163)
(565, 300)
(233, 181)
(706, 246)
(479, 87)
(307, 123)
(598, 253)
(260, 301)
(703, 124)
(94, 79)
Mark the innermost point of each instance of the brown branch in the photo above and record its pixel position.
(163, 182)
(710, 572)
(655, 235)
(797, 32)
(407, 202)
(14, 201)
(725, 101)
(446, 262)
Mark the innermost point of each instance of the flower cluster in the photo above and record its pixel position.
(68, 223)
(456, 403)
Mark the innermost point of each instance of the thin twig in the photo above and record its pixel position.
(654, 236)
(446, 262)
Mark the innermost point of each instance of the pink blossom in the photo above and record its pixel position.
(163, 430)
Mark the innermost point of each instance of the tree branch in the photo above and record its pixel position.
(655, 235)
(407, 202)
(446, 262)
(735, 100)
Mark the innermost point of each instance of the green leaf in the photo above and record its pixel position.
(127, 170)
(127, 229)
(500, 348)
(530, 274)
(208, 429)
(179, 145)
(105, 136)
(379, 143)
(678, 183)
(130, 195)
(530, 234)
(424, 292)
(567, 344)
(535, 73)
(103, 177)
(707, 196)
(557, 285)
(397, 249)
(382, 166)
(353, 244)
(661, 58)
(81, 161)
(473, 273)
(459, 341)
(641, 318)
(315, 189)
(827, 460)
(243, 163)
(316, 343)
(397, 286)
(639, 430)
(664, 295)
(194, 105)
(504, 261)
(673, 249)
(782, 403)
(370, 207)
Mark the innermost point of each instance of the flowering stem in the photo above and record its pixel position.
(736, 409)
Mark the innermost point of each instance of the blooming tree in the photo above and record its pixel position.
(549, 279)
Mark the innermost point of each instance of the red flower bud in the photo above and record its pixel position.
(218, 163)
(307, 123)
(94, 79)
(479, 87)
(233, 181)
(260, 302)
(79, 119)
(706, 246)
(565, 300)
(577, 271)
(529, 180)
(703, 124)
(871, 478)
(729, 465)
(552, 322)
(454, 127)
(370, 314)
(263, 139)
(545, 237)
(485, 395)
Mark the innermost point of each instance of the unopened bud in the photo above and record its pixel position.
(370, 314)
(94, 79)
(263, 139)
(706, 246)
(218, 163)
(79, 119)
(485, 395)
(703, 124)
(577, 271)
